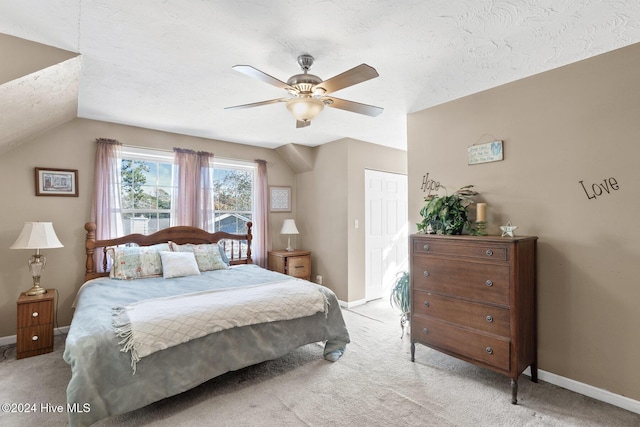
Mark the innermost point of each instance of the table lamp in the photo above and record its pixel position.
(289, 227)
(37, 235)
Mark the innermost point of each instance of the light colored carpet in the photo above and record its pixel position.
(373, 384)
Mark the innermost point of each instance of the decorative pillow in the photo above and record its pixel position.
(178, 264)
(207, 255)
(136, 262)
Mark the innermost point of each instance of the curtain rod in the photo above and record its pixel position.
(171, 151)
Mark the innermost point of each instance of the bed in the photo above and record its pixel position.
(107, 378)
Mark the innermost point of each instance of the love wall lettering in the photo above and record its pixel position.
(598, 189)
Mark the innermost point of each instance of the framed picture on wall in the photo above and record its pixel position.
(56, 182)
(279, 199)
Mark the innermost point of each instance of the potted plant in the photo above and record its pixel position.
(401, 297)
(447, 214)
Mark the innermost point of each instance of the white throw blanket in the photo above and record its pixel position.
(156, 324)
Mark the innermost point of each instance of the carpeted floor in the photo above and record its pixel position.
(373, 384)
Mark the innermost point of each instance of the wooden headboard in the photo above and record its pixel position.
(179, 235)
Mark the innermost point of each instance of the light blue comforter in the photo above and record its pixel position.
(102, 383)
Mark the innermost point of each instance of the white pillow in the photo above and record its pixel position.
(178, 264)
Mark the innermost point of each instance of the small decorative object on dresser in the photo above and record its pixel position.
(474, 298)
(35, 324)
(294, 263)
(447, 214)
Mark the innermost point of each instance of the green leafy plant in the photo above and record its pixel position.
(401, 297)
(447, 214)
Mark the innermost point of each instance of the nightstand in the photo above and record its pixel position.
(35, 324)
(294, 263)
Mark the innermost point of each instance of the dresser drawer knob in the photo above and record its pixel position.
(490, 319)
(34, 338)
(489, 252)
(426, 273)
(489, 283)
(34, 314)
(425, 247)
(426, 303)
(489, 350)
(425, 331)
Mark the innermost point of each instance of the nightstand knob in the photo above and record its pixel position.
(425, 247)
(426, 303)
(490, 319)
(489, 350)
(425, 331)
(426, 273)
(489, 283)
(489, 252)
(34, 338)
(34, 314)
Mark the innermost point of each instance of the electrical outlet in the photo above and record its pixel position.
(319, 280)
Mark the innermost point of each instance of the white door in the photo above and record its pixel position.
(386, 235)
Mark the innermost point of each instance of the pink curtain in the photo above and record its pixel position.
(261, 217)
(193, 200)
(106, 209)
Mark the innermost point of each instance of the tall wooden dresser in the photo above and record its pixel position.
(474, 298)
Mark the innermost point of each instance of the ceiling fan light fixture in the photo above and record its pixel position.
(305, 109)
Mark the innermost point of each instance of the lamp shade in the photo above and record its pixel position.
(305, 109)
(289, 227)
(37, 235)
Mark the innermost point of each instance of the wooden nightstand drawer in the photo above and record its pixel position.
(299, 267)
(36, 338)
(35, 313)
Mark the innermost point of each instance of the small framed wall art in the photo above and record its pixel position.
(280, 199)
(56, 182)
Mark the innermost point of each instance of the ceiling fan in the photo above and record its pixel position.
(309, 94)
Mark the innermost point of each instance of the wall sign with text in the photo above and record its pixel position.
(485, 153)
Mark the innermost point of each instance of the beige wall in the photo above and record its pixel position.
(577, 123)
(330, 199)
(71, 146)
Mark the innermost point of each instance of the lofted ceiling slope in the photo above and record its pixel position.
(167, 65)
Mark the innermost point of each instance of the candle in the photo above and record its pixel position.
(481, 212)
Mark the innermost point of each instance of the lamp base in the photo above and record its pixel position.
(36, 290)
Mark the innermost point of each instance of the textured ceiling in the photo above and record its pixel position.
(167, 65)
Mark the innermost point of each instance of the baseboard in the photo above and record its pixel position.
(588, 390)
(11, 339)
(351, 304)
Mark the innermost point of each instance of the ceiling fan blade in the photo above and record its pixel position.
(257, 74)
(302, 124)
(257, 104)
(354, 107)
(356, 75)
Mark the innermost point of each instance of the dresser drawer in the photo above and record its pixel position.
(487, 318)
(491, 350)
(35, 313)
(485, 251)
(483, 282)
(299, 266)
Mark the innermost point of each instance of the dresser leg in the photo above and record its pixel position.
(514, 391)
(534, 372)
(413, 351)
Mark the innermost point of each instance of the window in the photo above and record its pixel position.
(147, 190)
